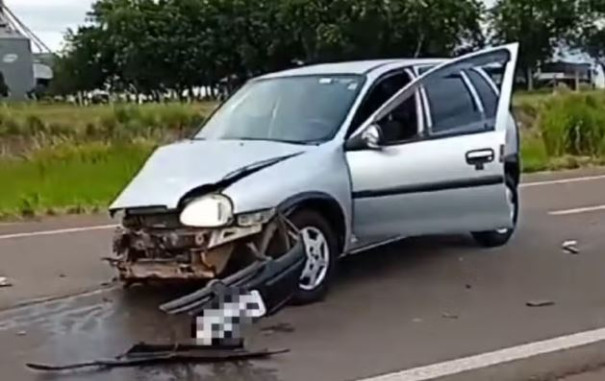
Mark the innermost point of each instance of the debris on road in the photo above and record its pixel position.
(417, 320)
(278, 328)
(540, 303)
(147, 354)
(447, 315)
(4, 282)
(21, 333)
(468, 286)
(571, 247)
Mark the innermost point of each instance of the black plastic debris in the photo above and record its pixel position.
(155, 354)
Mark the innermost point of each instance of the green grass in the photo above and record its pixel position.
(533, 154)
(68, 180)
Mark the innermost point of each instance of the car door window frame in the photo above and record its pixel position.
(424, 132)
(477, 104)
(420, 120)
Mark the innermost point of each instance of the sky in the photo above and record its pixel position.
(49, 19)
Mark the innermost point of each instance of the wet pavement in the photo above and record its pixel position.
(413, 303)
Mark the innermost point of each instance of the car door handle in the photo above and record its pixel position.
(479, 157)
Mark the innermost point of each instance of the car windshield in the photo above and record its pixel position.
(302, 110)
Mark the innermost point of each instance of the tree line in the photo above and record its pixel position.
(154, 46)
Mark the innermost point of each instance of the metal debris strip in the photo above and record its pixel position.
(4, 282)
(540, 303)
(571, 247)
(150, 354)
(448, 315)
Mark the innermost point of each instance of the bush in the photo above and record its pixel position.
(573, 124)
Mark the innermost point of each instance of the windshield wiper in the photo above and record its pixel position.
(297, 142)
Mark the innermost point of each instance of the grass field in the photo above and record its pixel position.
(68, 159)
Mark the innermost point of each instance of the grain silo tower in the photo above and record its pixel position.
(17, 60)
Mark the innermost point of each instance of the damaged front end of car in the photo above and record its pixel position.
(155, 245)
(260, 250)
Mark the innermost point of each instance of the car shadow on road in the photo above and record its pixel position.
(403, 255)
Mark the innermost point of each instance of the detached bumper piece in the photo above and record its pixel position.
(276, 280)
(149, 354)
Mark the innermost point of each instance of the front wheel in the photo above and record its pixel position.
(501, 237)
(321, 246)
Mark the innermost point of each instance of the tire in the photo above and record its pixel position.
(313, 225)
(497, 238)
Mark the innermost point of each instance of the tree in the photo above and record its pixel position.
(540, 26)
(153, 46)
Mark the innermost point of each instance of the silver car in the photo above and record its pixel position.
(352, 155)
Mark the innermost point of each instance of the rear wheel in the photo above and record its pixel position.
(501, 237)
(321, 246)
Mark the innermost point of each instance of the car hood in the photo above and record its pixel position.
(178, 168)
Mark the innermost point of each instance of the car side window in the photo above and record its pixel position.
(451, 105)
(486, 92)
(401, 124)
(381, 92)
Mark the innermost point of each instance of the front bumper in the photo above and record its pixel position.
(275, 279)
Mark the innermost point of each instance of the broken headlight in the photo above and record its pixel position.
(255, 218)
(210, 211)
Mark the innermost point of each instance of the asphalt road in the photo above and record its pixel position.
(419, 302)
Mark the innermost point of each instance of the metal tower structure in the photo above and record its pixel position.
(17, 60)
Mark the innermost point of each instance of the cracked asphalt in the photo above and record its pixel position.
(418, 302)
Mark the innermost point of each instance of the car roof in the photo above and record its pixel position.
(352, 67)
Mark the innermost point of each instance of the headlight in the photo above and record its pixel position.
(255, 218)
(208, 212)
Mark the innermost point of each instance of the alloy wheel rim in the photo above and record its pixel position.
(318, 258)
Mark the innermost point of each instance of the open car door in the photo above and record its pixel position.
(450, 176)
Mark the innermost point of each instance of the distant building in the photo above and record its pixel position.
(22, 70)
(573, 74)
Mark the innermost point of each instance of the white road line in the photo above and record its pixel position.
(56, 232)
(562, 181)
(485, 360)
(568, 212)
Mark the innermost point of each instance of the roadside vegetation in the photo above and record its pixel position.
(68, 159)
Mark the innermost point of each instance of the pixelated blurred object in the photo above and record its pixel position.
(222, 321)
(571, 247)
(540, 303)
(4, 282)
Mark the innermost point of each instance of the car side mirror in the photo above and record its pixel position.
(372, 136)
